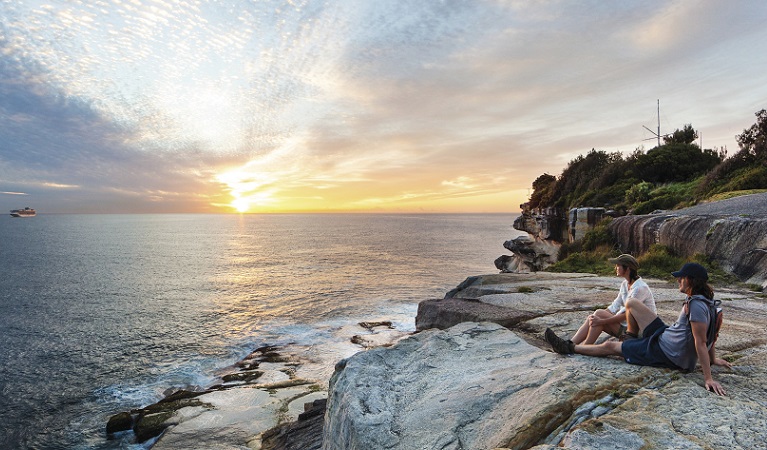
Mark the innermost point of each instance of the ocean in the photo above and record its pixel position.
(103, 313)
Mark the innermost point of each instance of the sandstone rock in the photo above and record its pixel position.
(581, 220)
(737, 241)
(471, 386)
(303, 434)
(531, 253)
(482, 386)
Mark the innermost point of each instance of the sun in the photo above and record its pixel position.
(242, 205)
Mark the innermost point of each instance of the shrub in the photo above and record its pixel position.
(599, 236)
(658, 262)
(586, 262)
(639, 192)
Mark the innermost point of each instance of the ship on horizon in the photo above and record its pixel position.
(26, 212)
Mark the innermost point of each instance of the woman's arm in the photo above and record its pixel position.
(699, 330)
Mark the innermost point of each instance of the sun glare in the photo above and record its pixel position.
(242, 205)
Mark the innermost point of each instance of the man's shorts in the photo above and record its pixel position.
(646, 351)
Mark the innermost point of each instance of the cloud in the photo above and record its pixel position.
(333, 104)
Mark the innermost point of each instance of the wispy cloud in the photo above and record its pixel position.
(126, 105)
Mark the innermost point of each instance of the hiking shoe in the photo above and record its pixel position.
(627, 337)
(561, 346)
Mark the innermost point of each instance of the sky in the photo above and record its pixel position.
(186, 106)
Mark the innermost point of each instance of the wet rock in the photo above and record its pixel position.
(120, 422)
(303, 434)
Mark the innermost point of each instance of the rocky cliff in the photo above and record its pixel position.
(733, 233)
(546, 230)
(481, 385)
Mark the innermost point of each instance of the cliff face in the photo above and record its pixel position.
(483, 385)
(737, 243)
(547, 229)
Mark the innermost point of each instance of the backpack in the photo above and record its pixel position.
(717, 314)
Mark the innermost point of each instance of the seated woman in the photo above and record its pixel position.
(679, 346)
(613, 319)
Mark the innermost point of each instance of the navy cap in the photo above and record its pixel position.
(691, 270)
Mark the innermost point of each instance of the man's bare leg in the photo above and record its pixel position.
(638, 316)
(606, 348)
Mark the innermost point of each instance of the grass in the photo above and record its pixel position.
(658, 262)
(733, 194)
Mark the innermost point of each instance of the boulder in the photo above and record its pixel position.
(737, 243)
(471, 386)
(581, 220)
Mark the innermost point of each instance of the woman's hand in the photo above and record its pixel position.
(595, 321)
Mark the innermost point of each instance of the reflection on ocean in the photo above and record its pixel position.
(102, 313)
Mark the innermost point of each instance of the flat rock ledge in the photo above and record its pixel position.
(274, 398)
(491, 383)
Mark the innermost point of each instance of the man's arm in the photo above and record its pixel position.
(699, 330)
(717, 361)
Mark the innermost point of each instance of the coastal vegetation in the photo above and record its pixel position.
(674, 175)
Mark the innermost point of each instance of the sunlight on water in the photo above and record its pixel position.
(105, 313)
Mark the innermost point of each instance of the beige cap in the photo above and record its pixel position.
(625, 260)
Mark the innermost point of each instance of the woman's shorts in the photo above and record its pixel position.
(646, 350)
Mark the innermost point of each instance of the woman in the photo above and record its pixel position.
(613, 319)
(679, 346)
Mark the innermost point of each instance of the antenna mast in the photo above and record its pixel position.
(658, 123)
(657, 135)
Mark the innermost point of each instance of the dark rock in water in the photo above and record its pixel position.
(120, 422)
(245, 376)
(371, 325)
(303, 434)
(151, 425)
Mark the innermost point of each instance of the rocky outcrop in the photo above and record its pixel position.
(738, 243)
(547, 229)
(255, 401)
(484, 386)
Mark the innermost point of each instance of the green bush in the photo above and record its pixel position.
(658, 262)
(639, 192)
(665, 201)
(586, 262)
(599, 236)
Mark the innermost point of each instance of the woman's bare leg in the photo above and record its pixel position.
(582, 332)
(638, 316)
(596, 330)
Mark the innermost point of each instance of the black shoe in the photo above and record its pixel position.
(561, 346)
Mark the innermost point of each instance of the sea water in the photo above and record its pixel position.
(103, 313)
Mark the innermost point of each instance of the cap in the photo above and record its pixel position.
(625, 260)
(691, 270)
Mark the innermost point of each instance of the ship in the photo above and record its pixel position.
(26, 212)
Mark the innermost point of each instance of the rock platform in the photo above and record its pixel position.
(492, 383)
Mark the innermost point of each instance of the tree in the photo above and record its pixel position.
(686, 135)
(753, 141)
(543, 188)
(675, 162)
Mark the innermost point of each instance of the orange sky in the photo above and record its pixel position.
(369, 106)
